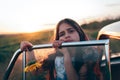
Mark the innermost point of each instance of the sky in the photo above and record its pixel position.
(17, 16)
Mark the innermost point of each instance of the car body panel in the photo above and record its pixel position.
(112, 31)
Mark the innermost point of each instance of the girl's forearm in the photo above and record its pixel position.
(70, 71)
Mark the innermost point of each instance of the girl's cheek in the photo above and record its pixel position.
(61, 39)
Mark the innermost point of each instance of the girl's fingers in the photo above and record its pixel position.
(22, 45)
(57, 44)
(25, 45)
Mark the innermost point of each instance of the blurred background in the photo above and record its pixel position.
(35, 20)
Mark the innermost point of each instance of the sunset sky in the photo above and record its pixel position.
(34, 15)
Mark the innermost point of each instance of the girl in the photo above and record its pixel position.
(68, 63)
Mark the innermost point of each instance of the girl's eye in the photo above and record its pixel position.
(71, 30)
(61, 34)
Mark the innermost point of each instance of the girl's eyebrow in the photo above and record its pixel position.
(70, 28)
(67, 29)
(61, 32)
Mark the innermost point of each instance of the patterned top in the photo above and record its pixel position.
(60, 69)
(89, 54)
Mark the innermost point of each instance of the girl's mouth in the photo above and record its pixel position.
(68, 40)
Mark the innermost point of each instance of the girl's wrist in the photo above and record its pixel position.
(66, 54)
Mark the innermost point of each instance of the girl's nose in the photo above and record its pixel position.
(67, 35)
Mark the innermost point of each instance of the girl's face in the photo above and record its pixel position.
(67, 33)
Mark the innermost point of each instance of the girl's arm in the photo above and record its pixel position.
(70, 71)
(83, 72)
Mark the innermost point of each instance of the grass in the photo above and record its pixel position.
(10, 43)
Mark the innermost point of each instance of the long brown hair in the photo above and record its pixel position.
(48, 64)
(82, 35)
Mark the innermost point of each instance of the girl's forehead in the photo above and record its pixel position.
(64, 26)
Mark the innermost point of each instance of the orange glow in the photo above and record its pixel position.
(39, 54)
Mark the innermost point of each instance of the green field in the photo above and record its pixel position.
(10, 43)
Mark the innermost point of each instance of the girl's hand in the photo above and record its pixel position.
(57, 45)
(25, 45)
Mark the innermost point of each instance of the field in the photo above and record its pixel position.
(10, 43)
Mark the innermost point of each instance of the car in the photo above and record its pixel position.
(112, 32)
(110, 61)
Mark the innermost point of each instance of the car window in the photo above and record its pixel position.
(85, 54)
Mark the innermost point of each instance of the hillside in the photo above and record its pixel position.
(10, 43)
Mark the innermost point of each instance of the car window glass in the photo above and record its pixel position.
(90, 54)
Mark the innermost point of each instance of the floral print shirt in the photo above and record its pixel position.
(60, 69)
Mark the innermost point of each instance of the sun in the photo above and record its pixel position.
(28, 28)
(31, 28)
